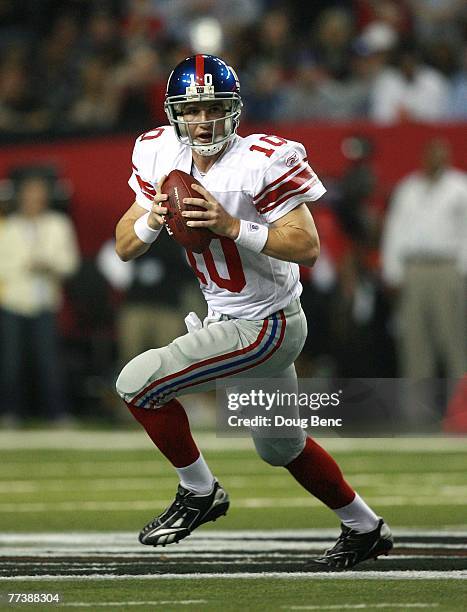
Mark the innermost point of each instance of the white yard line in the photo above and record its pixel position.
(364, 606)
(379, 480)
(199, 556)
(249, 502)
(134, 440)
(242, 536)
(370, 575)
(124, 604)
(203, 545)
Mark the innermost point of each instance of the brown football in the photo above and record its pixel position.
(177, 186)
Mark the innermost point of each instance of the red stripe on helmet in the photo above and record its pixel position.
(199, 67)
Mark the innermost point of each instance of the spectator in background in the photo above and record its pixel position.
(142, 23)
(57, 68)
(275, 39)
(435, 19)
(314, 61)
(97, 104)
(457, 107)
(38, 250)
(313, 94)
(355, 192)
(179, 16)
(359, 334)
(332, 41)
(424, 258)
(348, 66)
(141, 84)
(444, 56)
(410, 91)
(102, 37)
(265, 98)
(21, 109)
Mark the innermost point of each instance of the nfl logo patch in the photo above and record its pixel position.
(292, 159)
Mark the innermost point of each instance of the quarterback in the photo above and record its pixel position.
(253, 197)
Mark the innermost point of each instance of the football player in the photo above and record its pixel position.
(254, 198)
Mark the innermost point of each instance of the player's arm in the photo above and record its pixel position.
(293, 237)
(128, 244)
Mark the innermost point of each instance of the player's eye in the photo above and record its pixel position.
(216, 108)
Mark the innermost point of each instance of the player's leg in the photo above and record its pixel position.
(149, 383)
(192, 362)
(364, 534)
(175, 369)
(169, 429)
(199, 498)
(313, 467)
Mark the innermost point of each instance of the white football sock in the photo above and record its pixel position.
(196, 477)
(358, 515)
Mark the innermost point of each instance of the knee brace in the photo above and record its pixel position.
(280, 451)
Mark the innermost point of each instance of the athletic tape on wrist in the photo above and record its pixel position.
(252, 236)
(144, 232)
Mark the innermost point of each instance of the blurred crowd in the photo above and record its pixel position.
(87, 65)
(387, 296)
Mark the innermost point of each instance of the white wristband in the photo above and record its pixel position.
(252, 236)
(144, 232)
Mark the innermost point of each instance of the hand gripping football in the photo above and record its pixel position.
(177, 186)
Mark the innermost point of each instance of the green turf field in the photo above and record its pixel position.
(266, 594)
(97, 483)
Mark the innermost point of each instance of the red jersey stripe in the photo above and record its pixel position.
(278, 180)
(288, 196)
(145, 187)
(293, 183)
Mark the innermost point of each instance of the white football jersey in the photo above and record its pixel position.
(259, 178)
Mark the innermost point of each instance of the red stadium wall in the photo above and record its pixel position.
(99, 167)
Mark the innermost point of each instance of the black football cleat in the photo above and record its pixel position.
(353, 547)
(188, 511)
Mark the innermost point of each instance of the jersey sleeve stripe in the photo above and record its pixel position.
(293, 183)
(278, 180)
(289, 195)
(147, 189)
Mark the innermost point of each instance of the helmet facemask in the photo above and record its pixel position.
(232, 104)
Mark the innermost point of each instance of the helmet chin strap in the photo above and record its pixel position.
(208, 150)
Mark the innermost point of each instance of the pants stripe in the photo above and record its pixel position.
(199, 377)
(247, 367)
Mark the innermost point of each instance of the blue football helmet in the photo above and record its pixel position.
(203, 78)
